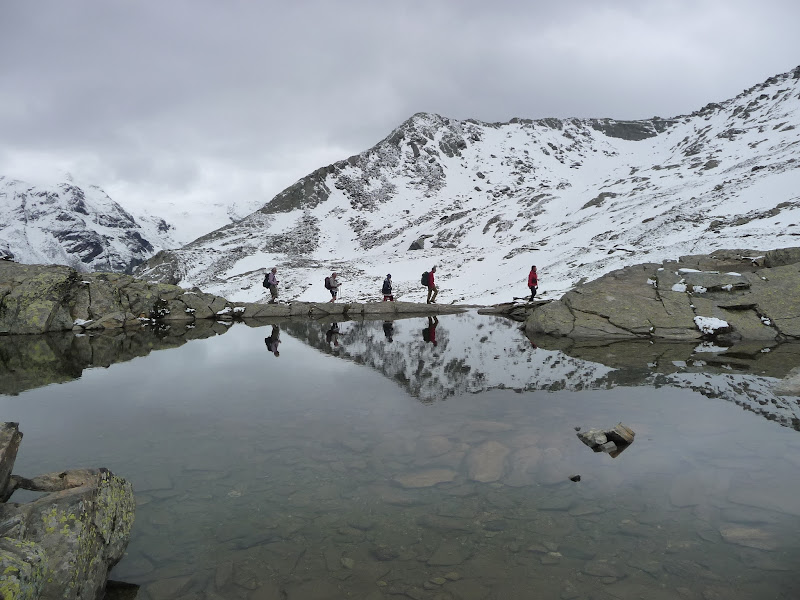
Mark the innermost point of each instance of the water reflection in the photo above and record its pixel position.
(473, 353)
(260, 479)
(273, 341)
(30, 361)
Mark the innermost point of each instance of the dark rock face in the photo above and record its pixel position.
(678, 300)
(631, 130)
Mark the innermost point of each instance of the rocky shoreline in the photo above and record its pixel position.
(730, 295)
(44, 298)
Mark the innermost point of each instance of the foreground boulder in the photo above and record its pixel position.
(729, 295)
(63, 544)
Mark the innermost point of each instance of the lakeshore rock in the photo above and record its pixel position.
(756, 294)
(44, 298)
(63, 544)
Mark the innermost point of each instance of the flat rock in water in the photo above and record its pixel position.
(449, 553)
(523, 465)
(425, 478)
(751, 537)
(486, 463)
(434, 445)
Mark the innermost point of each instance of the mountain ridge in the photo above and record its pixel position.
(577, 197)
(77, 226)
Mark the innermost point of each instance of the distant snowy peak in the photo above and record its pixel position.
(77, 226)
(578, 197)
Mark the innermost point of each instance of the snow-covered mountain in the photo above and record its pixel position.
(77, 226)
(576, 197)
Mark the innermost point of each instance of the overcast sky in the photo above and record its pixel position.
(181, 101)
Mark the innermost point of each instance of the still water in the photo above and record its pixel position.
(310, 460)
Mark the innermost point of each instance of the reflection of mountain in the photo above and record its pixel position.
(31, 361)
(477, 353)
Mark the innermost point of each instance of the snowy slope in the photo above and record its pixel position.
(576, 197)
(72, 225)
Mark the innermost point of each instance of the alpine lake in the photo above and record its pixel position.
(307, 460)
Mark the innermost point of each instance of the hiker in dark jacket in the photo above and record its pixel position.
(533, 282)
(387, 288)
(432, 289)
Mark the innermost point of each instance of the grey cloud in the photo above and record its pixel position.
(153, 89)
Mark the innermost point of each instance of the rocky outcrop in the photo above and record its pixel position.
(729, 295)
(63, 544)
(40, 299)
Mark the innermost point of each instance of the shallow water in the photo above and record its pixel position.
(352, 466)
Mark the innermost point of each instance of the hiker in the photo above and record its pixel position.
(332, 283)
(387, 288)
(332, 335)
(533, 282)
(272, 284)
(432, 289)
(429, 333)
(273, 340)
(388, 330)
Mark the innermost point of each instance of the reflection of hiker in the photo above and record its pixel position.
(533, 282)
(332, 335)
(387, 288)
(429, 333)
(273, 340)
(332, 283)
(431, 285)
(272, 284)
(388, 330)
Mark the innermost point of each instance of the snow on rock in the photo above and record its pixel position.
(710, 325)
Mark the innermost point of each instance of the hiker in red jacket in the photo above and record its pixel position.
(533, 282)
(432, 289)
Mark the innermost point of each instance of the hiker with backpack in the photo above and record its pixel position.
(332, 284)
(387, 288)
(428, 282)
(533, 282)
(271, 283)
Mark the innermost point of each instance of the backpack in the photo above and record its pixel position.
(327, 283)
(425, 279)
(266, 281)
(387, 287)
(426, 334)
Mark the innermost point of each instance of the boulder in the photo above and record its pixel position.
(757, 294)
(63, 544)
